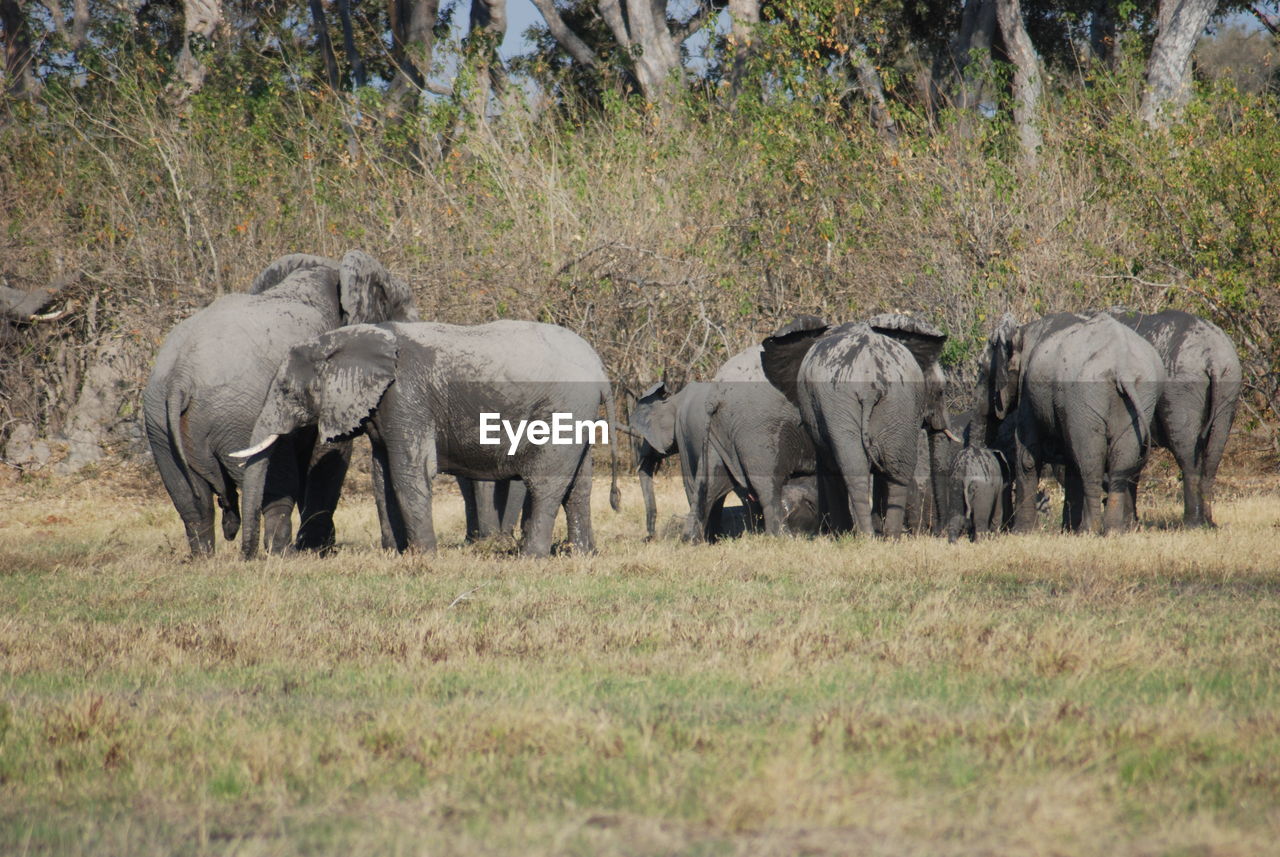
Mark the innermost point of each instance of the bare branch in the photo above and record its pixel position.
(564, 36)
(706, 12)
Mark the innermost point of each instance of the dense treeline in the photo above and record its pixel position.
(809, 155)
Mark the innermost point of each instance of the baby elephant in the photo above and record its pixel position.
(976, 500)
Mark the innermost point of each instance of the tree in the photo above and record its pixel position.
(1028, 77)
(646, 37)
(1179, 25)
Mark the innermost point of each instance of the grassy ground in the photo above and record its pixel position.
(1029, 695)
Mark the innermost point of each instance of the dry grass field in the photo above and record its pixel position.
(1035, 695)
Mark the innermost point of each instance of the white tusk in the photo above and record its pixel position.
(254, 450)
(951, 436)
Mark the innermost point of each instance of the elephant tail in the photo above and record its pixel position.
(610, 413)
(1129, 390)
(175, 404)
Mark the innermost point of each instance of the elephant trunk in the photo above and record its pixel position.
(255, 480)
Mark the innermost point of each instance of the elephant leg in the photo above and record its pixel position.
(984, 504)
(577, 508)
(1089, 470)
(896, 498)
(712, 487)
(769, 498)
(191, 496)
(470, 506)
(412, 485)
(197, 519)
(547, 497)
(855, 470)
(279, 497)
(489, 498)
(326, 470)
(1210, 458)
(390, 521)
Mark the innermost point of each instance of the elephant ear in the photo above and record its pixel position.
(785, 351)
(370, 294)
(276, 273)
(654, 417)
(925, 343)
(356, 365)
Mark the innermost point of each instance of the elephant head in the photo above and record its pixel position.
(367, 292)
(335, 382)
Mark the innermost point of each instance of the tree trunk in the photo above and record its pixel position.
(488, 27)
(1027, 77)
(19, 56)
(1180, 24)
(640, 28)
(358, 76)
(873, 90)
(971, 52)
(412, 43)
(745, 17)
(325, 45)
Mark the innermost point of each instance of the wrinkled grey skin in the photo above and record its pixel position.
(417, 391)
(492, 508)
(757, 443)
(1082, 391)
(1194, 416)
(976, 491)
(863, 390)
(211, 376)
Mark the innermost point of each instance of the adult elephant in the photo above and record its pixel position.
(1198, 405)
(211, 377)
(863, 391)
(1082, 391)
(420, 392)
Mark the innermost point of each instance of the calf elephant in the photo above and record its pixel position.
(675, 424)
(757, 445)
(1082, 390)
(975, 502)
(863, 391)
(211, 377)
(1198, 405)
(421, 392)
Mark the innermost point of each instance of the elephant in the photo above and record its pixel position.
(863, 391)
(431, 398)
(1195, 412)
(1082, 391)
(757, 445)
(735, 433)
(674, 424)
(210, 379)
(976, 491)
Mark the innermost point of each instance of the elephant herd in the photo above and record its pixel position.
(253, 403)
